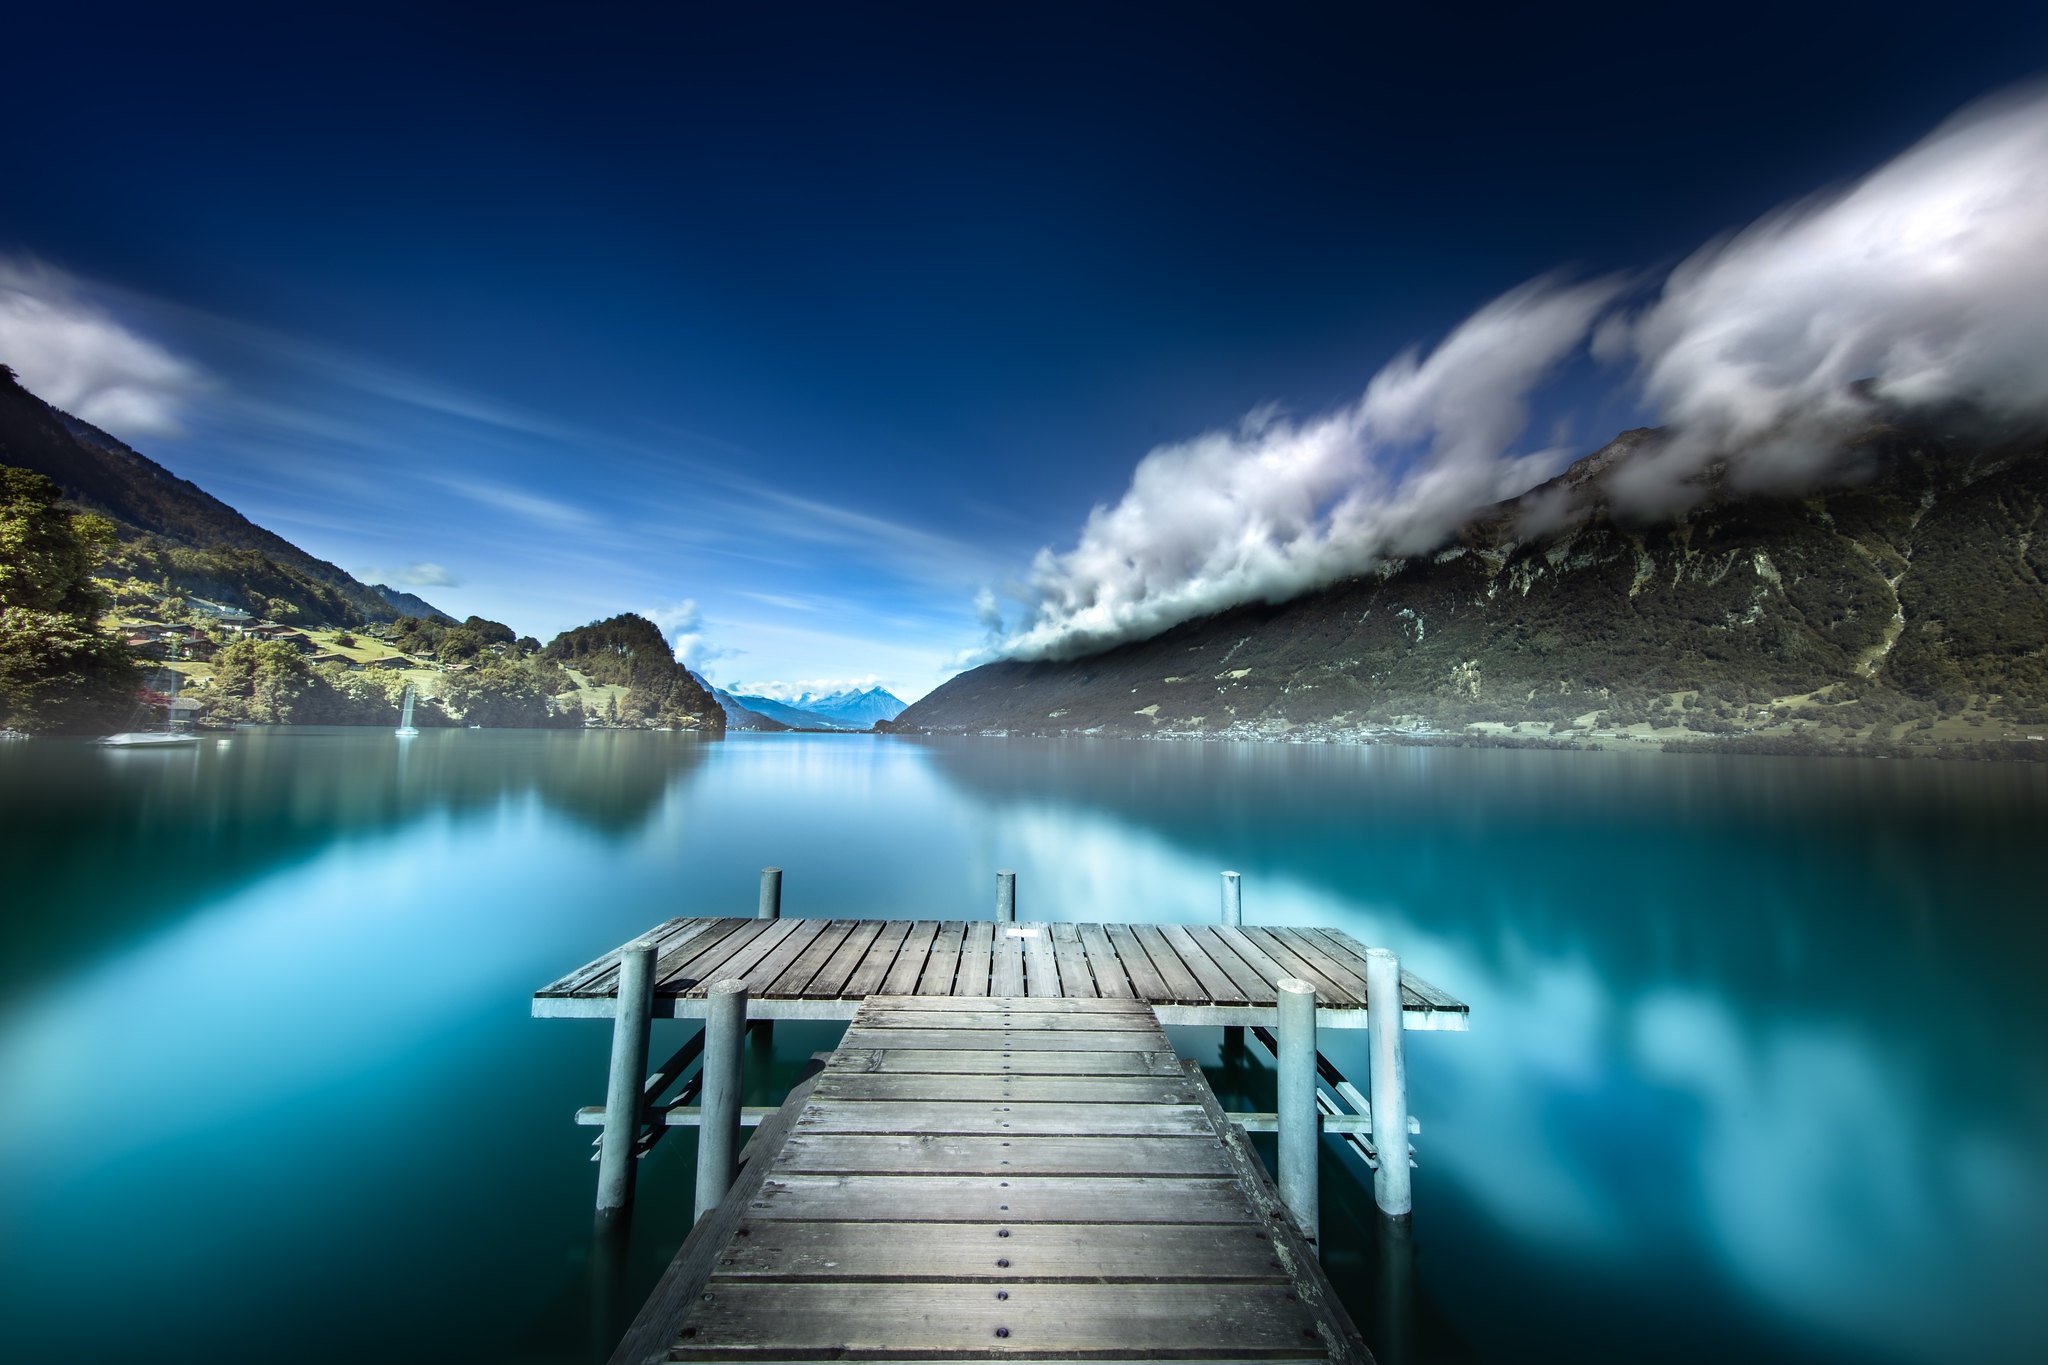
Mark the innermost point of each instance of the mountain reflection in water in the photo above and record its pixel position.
(1756, 1065)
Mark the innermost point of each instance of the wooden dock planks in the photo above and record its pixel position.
(1010, 1177)
(814, 968)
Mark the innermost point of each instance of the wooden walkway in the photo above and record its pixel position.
(1027, 1177)
(823, 969)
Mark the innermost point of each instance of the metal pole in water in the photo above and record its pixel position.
(718, 1136)
(1006, 896)
(1233, 898)
(1391, 1189)
(622, 1097)
(771, 894)
(1300, 1121)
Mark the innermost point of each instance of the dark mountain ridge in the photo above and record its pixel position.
(159, 515)
(1906, 602)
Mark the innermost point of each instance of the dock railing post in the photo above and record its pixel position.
(718, 1133)
(1300, 1120)
(622, 1096)
(771, 894)
(1233, 898)
(1391, 1188)
(1006, 897)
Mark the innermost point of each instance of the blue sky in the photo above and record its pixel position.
(797, 329)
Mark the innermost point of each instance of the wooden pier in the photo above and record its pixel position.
(822, 969)
(1003, 1158)
(1008, 1178)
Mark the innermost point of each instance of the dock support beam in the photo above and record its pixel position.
(718, 1133)
(1300, 1120)
(771, 894)
(622, 1095)
(1391, 1189)
(1006, 897)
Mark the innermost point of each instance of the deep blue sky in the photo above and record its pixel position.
(824, 318)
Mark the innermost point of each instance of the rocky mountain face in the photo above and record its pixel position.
(1904, 605)
(171, 528)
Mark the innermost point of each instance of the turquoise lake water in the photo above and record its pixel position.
(1758, 1062)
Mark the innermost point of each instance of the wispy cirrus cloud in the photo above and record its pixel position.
(519, 501)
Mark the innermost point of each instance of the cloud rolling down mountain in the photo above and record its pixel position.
(1904, 605)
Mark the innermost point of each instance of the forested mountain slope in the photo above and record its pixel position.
(1906, 604)
(170, 528)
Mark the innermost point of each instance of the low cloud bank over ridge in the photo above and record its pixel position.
(1923, 284)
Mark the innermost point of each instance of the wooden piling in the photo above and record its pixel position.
(1300, 1120)
(718, 1133)
(1006, 897)
(1233, 898)
(623, 1096)
(1391, 1188)
(771, 894)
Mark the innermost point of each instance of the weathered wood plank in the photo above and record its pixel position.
(1041, 967)
(697, 937)
(832, 977)
(764, 973)
(1016, 1119)
(1004, 1085)
(1215, 982)
(1027, 1015)
(743, 962)
(1033, 1252)
(1416, 992)
(899, 1061)
(1180, 982)
(1079, 1008)
(880, 960)
(1092, 1040)
(976, 954)
(807, 964)
(1137, 963)
(1111, 982)
(569, 982)
(943, 961)
(1075, 981)
(1015, 1154)
(1251, 1321)
(709, 955)
(909, 965)
(1329, 988)
(1254, 985)
(1007, 975)
(1253, 956)
(999, 1201)
(1317, 954)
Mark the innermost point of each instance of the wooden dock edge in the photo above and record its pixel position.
(655, 1327)
(841, 1011)
(1298, 1255)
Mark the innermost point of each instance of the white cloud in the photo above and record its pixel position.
(1275, 507)
(1928, 279)
(74, 355)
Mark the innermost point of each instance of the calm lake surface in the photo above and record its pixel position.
(1758, 1062)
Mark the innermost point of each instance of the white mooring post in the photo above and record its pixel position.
(718, 1134)
(1233, 898)
(1391, 1188)
(771, 894)
(622, 1097)
(1300, 1120)
(1006, 897)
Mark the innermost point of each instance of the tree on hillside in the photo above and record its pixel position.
(58, 669)
(264, 681)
